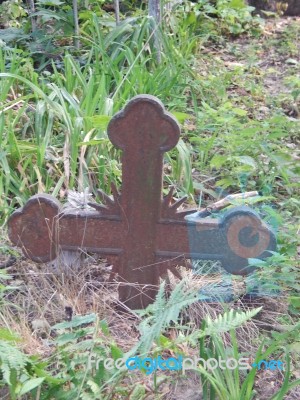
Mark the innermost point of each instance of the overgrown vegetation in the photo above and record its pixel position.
(232, 81)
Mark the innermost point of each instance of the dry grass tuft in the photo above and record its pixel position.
(45, 296)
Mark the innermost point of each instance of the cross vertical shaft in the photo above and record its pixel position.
(143, 141)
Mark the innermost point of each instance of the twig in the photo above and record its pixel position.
(76, 25)
(117, 11)
(32, 18)
(219, 205)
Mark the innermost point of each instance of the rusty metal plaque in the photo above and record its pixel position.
(139, 230)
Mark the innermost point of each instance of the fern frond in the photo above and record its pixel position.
(162, 312)
(231, 319)
(11, 359)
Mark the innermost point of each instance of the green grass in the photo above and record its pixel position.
(60, 142)
(238, 134)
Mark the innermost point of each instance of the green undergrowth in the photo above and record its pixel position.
(76, 366)
(235, 91)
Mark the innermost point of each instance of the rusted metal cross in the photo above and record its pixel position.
(139, 231)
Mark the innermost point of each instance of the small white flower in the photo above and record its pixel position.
(79, 199)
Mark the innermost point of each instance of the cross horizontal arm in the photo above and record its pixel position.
(41, 229)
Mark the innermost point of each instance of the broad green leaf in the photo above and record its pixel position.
(218, 161)
(226, 182)
(256, 262)
(99, 121)
(203, 188)
(78, 320)
(116, 352)
(180, 116)
(237, 4)
(239, 111)
(70, 337)
(30, 385)
(247, 160)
